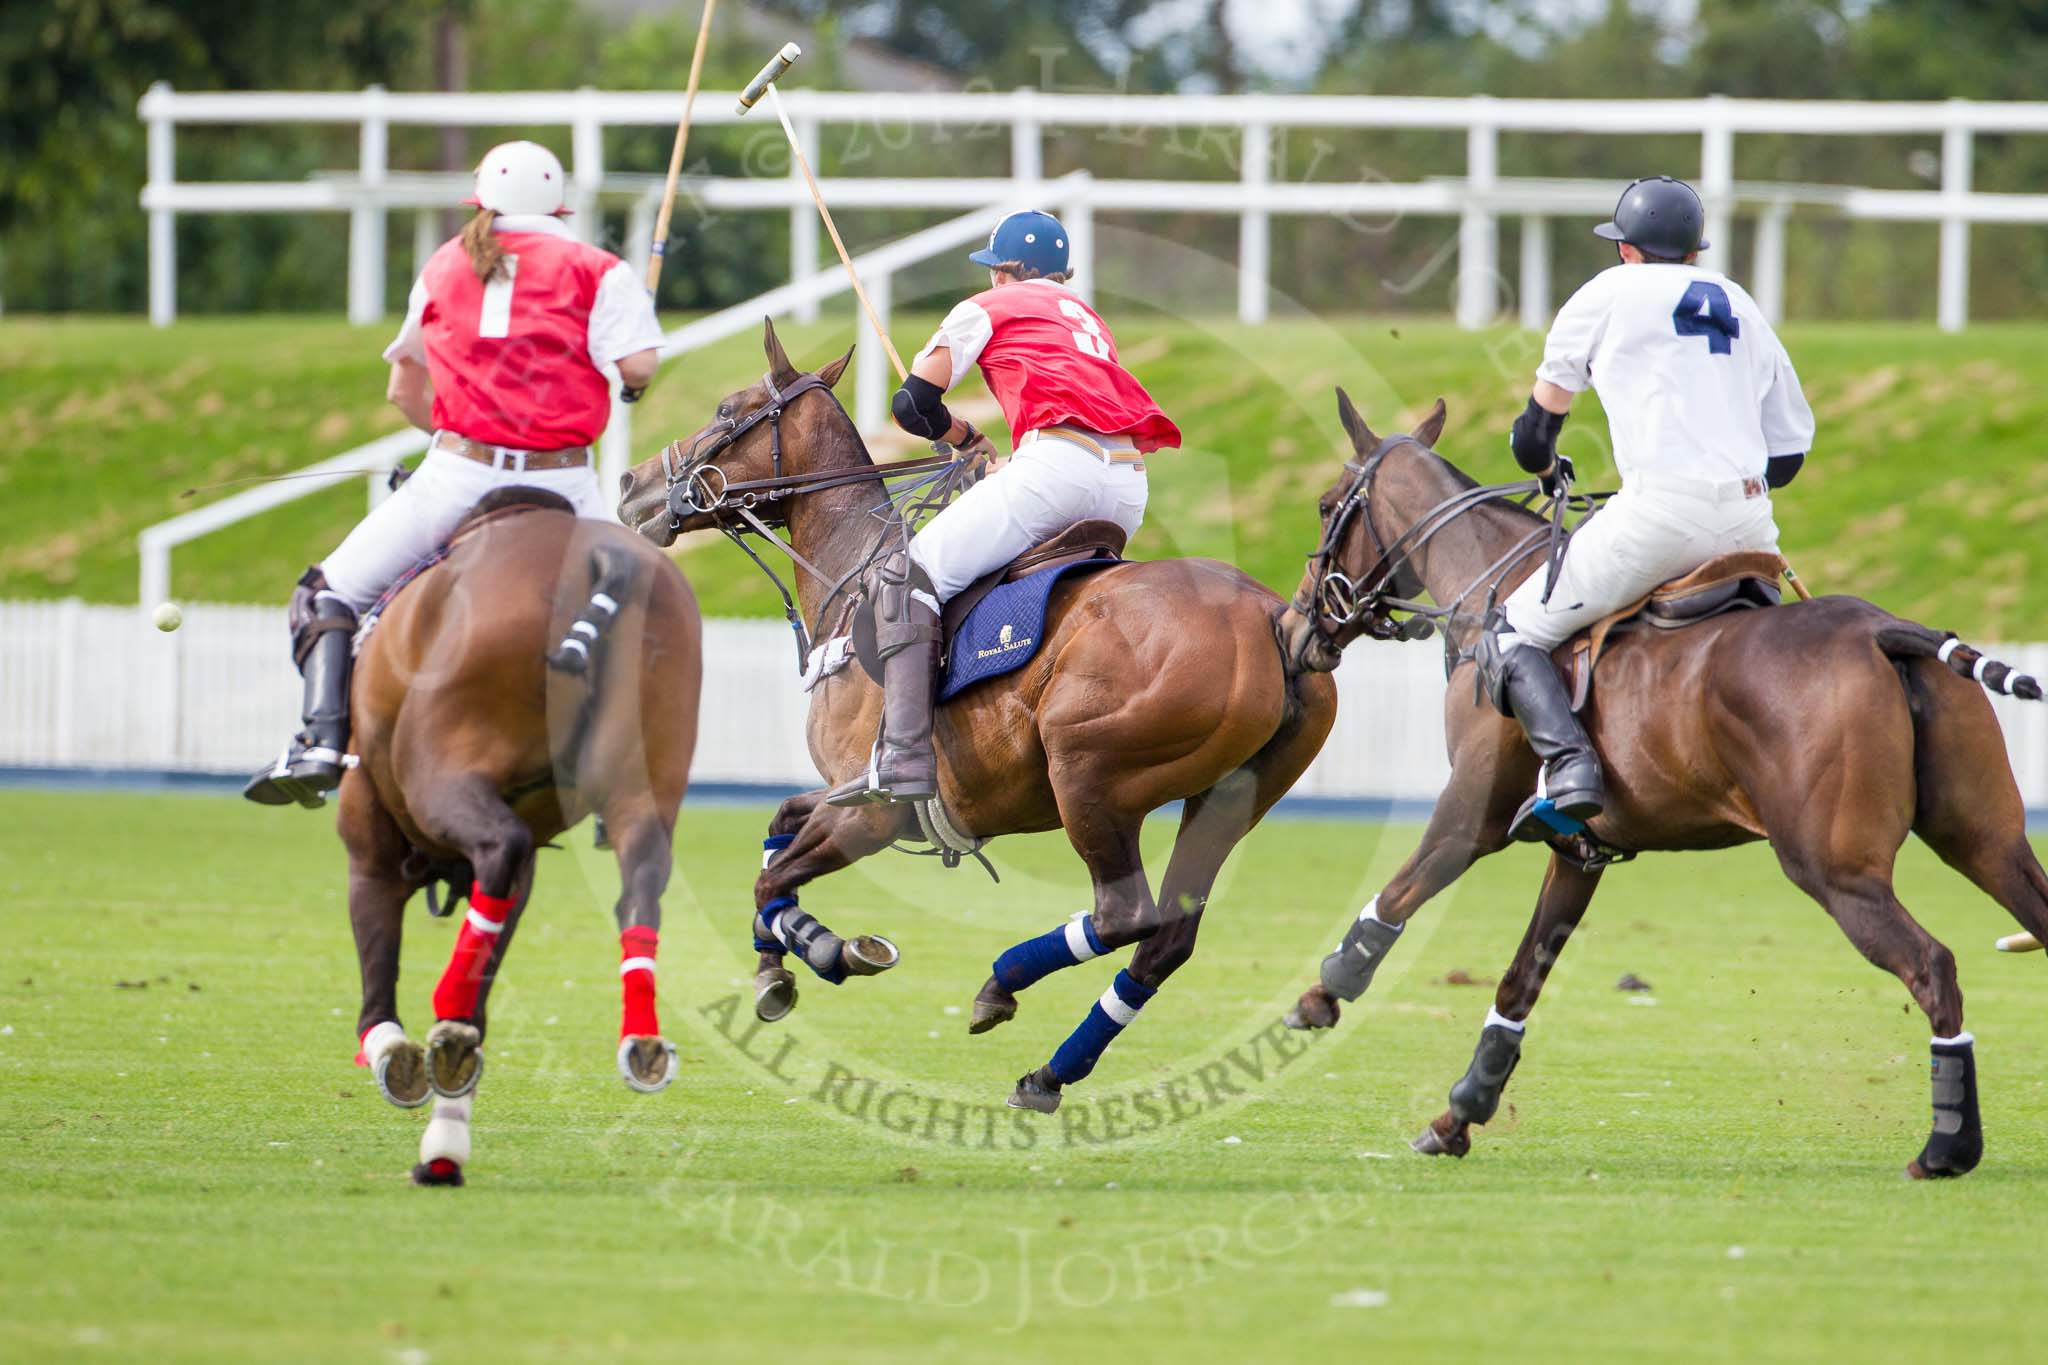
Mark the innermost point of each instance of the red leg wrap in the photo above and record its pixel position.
(636, 982)
(455, 996)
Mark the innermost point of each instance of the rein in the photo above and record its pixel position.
(692, 489)
(1336, 600)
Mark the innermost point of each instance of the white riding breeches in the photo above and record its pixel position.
(1047, 486)
(416, 520)
(1635, 543)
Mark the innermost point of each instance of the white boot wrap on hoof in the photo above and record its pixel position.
(447, 1133)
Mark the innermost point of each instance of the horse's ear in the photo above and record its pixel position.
(1432, 426)
(830, 374)
(1362, 439)
(771, 346)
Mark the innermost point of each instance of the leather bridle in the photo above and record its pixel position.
(1340, 606)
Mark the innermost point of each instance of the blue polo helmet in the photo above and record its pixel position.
(1034, 240)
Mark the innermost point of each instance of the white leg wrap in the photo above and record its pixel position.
(1962, 1038)
(447, 1133)
(1077, 940)
(381, 1040)
(1494, 1016)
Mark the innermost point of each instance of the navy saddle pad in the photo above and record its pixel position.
(1003, 631)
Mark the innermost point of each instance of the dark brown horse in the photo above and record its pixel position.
(1155, 682)
(1829, 727)
(547, 669)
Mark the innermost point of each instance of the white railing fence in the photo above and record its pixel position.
(872, 378)
(1477, 198)
(95, 687)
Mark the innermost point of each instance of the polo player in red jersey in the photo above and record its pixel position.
(1082, 426)
(512, 337)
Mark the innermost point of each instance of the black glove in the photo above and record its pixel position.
(1780, 470)
(1533, 438)
(1557, 480)
(631, 395)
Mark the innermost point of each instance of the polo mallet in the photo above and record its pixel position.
(2019, 943)
(659, 249)
(764, 83)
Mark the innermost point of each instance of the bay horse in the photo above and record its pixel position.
(1156, 682)
(1829, 727)
(478, 743)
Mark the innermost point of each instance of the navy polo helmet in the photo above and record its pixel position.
(1661, 216)
(1034, 240)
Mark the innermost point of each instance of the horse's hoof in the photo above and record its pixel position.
(647, 1063)
(993, 1005)
(455, 1058)
(1033, 1093)
(402, 1075)
(1445, 1137)
(868, 955)
(774, 994)
(1317, 1008)
(439, 1171)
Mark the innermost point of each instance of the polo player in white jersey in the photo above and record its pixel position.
(1706, 417)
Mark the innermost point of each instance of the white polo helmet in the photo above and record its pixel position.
(520, 177)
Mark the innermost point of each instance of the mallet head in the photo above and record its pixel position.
(768, 75)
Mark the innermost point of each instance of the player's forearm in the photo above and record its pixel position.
(411, 391)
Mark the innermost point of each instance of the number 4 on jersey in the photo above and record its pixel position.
(1706, 312)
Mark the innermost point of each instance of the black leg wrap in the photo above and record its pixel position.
(1957, 1143)
(1476, 1095)
(1348, 971)
(803, 935)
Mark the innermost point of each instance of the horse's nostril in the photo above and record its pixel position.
(625, 483)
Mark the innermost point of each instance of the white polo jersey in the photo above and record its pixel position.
(1695, 382)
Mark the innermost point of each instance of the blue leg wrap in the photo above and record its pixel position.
(1037, 958)
(1107, 1018)
(764, 921)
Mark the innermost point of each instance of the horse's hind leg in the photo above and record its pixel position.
(806, 840)
(1211, 826)
(647, 1061)
(377, 893)
(1969, 809)
(470, 816)
(1567, 891)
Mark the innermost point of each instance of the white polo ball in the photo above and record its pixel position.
(167, 617)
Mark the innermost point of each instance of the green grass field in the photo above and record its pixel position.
(1923, 493)
(193, 1171)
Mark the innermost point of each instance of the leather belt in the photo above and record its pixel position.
(1109, 449)
(507, 457)
(1707, 490)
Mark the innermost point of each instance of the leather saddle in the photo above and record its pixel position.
(1083, 542)
(1743, 581)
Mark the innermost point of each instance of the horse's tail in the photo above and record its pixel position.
(1908, 640)
(614, 570)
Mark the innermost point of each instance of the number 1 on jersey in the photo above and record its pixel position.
(1706, 312)
(1088, 336)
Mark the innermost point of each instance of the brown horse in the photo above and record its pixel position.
(1156, 682)
(1829, 727)
(478, 744)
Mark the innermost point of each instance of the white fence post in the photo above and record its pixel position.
(586, 167)
(1478, 233)
(615, 450)
(1717, 183)
(1080, 224)
(803, 218)
(426, 238)
(875, 380)
(1254, 244)
(1768, 274)
(1535, 301)
(163, 222)
(1958, 147)
(1027, 144)
(366, 218)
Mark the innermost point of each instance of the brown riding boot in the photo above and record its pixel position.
(904, 766)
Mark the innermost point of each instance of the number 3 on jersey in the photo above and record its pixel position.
(1088, 336)
(1706, 312)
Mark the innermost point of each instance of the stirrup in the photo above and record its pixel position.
(1539, 821)
(303, 777)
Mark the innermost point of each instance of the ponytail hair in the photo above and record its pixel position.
(486, 253)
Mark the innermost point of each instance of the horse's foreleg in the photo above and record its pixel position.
(1567, 891)
(1470, 821)
(806, 840)
(377, 893)
(643, 839)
